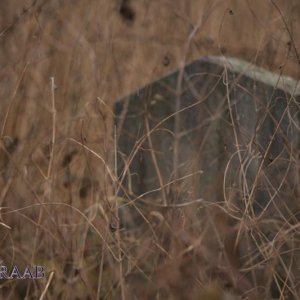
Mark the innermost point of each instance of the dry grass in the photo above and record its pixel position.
(63, 64)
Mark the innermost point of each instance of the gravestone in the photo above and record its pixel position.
(220, 129)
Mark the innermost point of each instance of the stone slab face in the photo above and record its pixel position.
(219, 129)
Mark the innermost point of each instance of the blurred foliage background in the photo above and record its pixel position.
(97, 51)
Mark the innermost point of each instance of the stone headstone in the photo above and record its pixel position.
(220, 129)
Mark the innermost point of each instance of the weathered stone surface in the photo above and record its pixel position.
(234, 127)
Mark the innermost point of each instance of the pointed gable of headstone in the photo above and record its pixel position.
(219, 129)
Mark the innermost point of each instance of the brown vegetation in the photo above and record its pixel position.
(62, 66)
